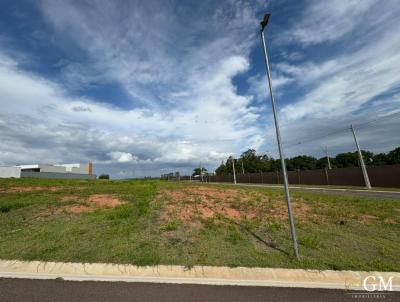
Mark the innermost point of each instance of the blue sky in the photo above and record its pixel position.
(147, 87)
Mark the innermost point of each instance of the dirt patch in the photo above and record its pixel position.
(390, 221)
(30, 189)
(367, 218)
(105, 200)
(200, 203)
(95, 201)
(69, 198)
(80, 209)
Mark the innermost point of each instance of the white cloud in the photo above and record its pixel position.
(185, 108)
(151, 48)
(327, 21)
(258, 85)
(41, 123)
(343, 84)
(122, 157)
(350, 81)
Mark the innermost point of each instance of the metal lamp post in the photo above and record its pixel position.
(234, 171)
(361, 159)
(278, 136)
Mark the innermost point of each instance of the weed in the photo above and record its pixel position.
(171, 225)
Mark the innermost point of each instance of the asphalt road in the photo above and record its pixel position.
(375, 194)
(367, 194)
(22, 290)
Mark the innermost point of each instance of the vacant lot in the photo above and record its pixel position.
(153, 222)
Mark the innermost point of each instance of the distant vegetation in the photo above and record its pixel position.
(104, 176)
(199, 171)
(253, 162)
(172, 175)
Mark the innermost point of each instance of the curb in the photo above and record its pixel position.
(210, 275)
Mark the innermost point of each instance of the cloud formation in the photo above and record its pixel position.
(144, 88)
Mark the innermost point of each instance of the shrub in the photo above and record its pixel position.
(104, 176)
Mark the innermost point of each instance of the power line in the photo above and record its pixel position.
(388, 117)
(361, 125)
(318, 137)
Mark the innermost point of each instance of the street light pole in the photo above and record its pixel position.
(327, 157)
(363, 168)
(233, 168)
(278, 136)
(201, 172)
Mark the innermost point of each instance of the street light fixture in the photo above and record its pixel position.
(264, 24)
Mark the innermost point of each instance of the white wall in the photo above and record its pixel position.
(51, 168)
(6, 172)
(76, 168)
(82, 169)
(68, 166)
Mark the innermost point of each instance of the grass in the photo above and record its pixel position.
(186, 224)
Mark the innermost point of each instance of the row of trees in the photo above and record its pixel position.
(171, 175)
(251, 162)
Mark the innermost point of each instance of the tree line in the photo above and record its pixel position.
(251, 162)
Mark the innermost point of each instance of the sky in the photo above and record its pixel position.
(142, 88)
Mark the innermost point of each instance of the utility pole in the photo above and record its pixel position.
(360, 157)
(278, 136)
(327, 156)
(234, 173)
(242, 166)
(201, 173)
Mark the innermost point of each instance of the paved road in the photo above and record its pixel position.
(376, 194)
(22, 290)
(361, 193)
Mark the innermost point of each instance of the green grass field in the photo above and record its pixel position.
(155, 222)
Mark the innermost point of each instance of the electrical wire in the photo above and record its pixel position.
(357, 126)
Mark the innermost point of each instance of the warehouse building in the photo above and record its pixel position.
(65, 171)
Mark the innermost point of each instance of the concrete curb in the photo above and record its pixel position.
(242, 276)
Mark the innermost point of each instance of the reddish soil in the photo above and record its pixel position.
(197, 203)
(94, 202)
(104, 200)
(79, 209)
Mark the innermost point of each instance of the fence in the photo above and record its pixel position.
(380, 176)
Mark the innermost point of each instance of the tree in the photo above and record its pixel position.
(302, 162)
(351, 159)
(380, 159)
(322, 163)
(104, 176)
(222, 169)
(199, 171)
(394, 156)
(252, 162)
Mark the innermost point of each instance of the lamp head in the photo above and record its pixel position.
(264, 22)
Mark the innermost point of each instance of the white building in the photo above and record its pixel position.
(48, 171)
